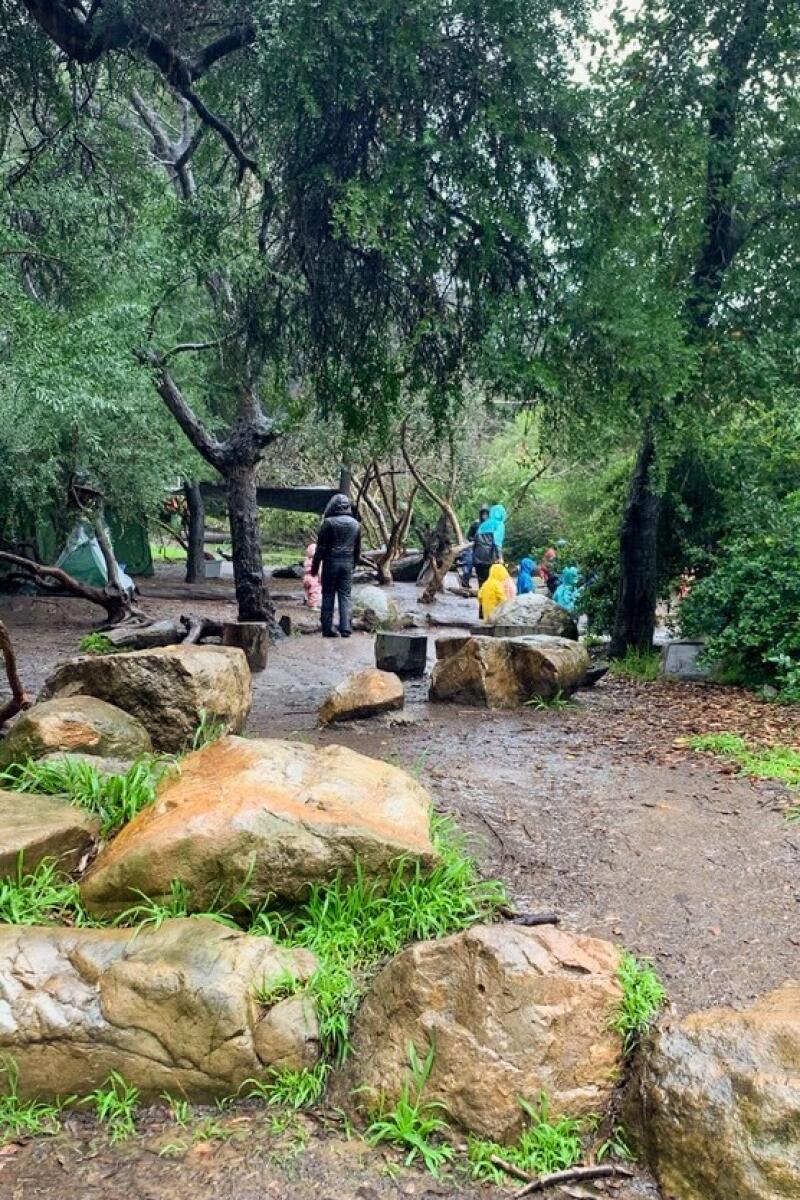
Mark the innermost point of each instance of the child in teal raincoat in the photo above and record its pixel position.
(567, 592)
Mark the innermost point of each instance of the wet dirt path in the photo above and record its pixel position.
(590, 811)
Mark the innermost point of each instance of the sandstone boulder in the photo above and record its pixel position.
(364, 694)
(167, 689)
(171, 1009)
(506, 672)
(530, 615)
(277, 815)
(75, 724)
(512, 1012)
(720, 1102)
(40, 827)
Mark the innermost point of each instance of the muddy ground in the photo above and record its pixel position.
(595, 811)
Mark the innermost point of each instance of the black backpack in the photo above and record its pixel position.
(484, 551)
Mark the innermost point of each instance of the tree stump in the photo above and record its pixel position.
(250, 636)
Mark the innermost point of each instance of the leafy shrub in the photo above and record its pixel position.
(97, 644)
(748, 608)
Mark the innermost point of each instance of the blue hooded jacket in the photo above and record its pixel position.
(525, 577)
(495, 525)
(567, 592)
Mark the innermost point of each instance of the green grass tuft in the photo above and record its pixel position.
(413, 1123)
(280, 987)
(97, 643)
(26, 1118)
(290, 1089)
(644, 665)
(43, 896)
(115, 1106)
(761, 762)
(643, 997)
(115, 799)
(209, 729)
(547, 1144)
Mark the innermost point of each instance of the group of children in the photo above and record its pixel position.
(542, 578)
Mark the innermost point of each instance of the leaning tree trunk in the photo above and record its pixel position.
(248, 568)
(634, 619)
(195, 551)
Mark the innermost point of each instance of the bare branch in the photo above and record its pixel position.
(443, 503)
(211, 449)
(19, 699)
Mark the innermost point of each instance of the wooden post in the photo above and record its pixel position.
(250, 636)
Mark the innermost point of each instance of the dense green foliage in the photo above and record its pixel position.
(749, 606)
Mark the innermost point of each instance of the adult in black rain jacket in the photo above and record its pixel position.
(338, 551)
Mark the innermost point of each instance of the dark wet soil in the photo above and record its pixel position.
(594, 811)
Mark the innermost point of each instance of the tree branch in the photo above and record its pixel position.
(19, 699)
(205, 443)
(115, 604)
(440, 501)
(82, 42)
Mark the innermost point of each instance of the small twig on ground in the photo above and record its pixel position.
(510, 1169)
(573, 1175)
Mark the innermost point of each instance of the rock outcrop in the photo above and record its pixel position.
(277, 816)
(506, 672)
(168, 689)
(38, 827)
(531, 615)
(365, 694)
(720, 1102)
(512, 1012)
(171, 1009)
(75, 724)
(373, 607)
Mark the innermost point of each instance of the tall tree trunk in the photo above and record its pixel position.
(248, 568)
(195, 551)
(634, 620)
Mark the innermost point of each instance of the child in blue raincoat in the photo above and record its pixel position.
(567, 592)
(525, 581)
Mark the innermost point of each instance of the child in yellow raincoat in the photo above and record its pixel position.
(495, 591)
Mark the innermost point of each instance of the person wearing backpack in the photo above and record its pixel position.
(485, 551)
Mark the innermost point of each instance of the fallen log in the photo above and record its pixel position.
(118, 604)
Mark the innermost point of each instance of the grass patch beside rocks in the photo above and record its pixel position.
(760, 762)
(115, 799)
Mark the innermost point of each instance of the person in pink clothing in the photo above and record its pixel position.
(311, 583)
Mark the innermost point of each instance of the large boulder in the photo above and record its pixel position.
(506, 672)
(168, 689)
(720, 1102)
(511, 1013)
(272, 815)
(530, 615)
(38, 827)
(172, 1009)
(367, 693)
(75, 724)
(373, 607)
